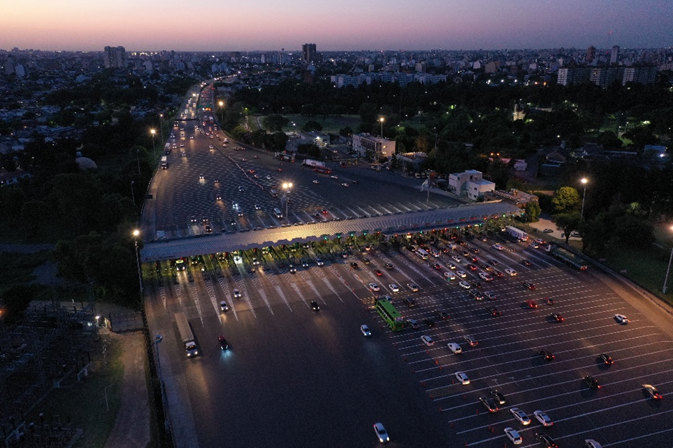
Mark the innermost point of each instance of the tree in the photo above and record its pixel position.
(633, 232)
(568, 223)
(345, 132)
(277, 142)
(312, 125)
(274, 122)
(34, 213)
(565, 200)
(533, 211)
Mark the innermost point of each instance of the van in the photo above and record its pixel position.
(277, 213)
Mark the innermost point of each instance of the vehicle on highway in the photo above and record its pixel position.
(449, 275)
(528, 285)
(366, 260)
(521, 416)
(455, 348)
(218, 197)
(354, 265)
(471, 267)
(413, 323)
(427, 340)
(513, 435)
(393, 287)
(498, 273)
(592, 382)
(652, 392)
(498, 397)
(389, 266)
(378, 272)
(464, 284)
(493, 311)
(364, 329)
(531, 304)
(408, 301)
(224, 306)
(319, 262)
(437, 266)
(472, 342)
(334, 177)
(511, 272)
(489, 404)
(258, 207)
(293, 269)
(442, 314)
(451, 266)
(237, 294)
(180, 265)
(201, 177)
(463, 378)
(223, 343)
(208, 228)
(549, 301)
(620, 318)
(557, 317)
(543, 418)
(486, 277)
(429, 322)
(490, 295)
(413, 287)
(316, 181)
(374, 287)
(606, 359)
(525, 262)
(345, 184)
(498, 246)
(456, 258)
(381, 433)
(591, 443)
(545, 440)
(461, 274)
(315, 306)
(546, 355)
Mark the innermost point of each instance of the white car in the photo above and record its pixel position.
(334, 177)
(394, 288)
(511, 272)
(461, 274)
(521, 416)
(381, 433)
(374, 287)
(486, 277)
(315, 181)
(427, 340)
(224, 306)
(365, 330)
(450, 275)
(237, 294)
(451, 266)
(543, 418)
(463, 378)
(413, 287)
(345, 185)
(464, 284)
(456, 258)
(455, 348)
(513, 435)
(621, 319)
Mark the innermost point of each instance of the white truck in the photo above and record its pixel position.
(313, 163)
(517, 233)
(164, 162)
(186, 335)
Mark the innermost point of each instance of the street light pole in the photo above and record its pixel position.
(133, 195)
(381, 120)
(154, 146)
(221, 104)
(668, 269)
(584, 183)
(161, 126)
(136, 233)
(287, 186)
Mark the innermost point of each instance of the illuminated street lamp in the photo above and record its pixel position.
(221, 104)
(668, 269)
(287, 186)
(381, 120)
(136, 234)
(161, 126)
(154, 146)
(584, 183)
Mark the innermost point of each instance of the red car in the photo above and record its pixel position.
(557, 317)
(531, 303)
(378, 272)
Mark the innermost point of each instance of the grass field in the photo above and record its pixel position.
(331, 124)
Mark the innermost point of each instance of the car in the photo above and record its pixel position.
(393, 287)
(490, 295)
(592, 382)
(378, 272)
(521, 416)
(224, 306)
(437, 266)
(591, 443)
(449, 275)
(463, 378)
(474, 259)
(334, 177)
(461, 274)
(498, 397)
(237, 294)
(429, 322)
(526, 262)
(471, 267)
(364, 329)
(455, 348)
(493, 311)
(549, 301)
(606, 359)
(464, 284)
(576, 235)
(258, 207)
(489, 404)
(511, 272)
(427, 340)
(451, 266)
(192, 218)
(528, 285)
(374, 287)
(546, 355)
(413, 287)
(366, 260)
(498, 246)
(316, 181)
(218, 197)
(315, 306)
(413, 323)
(239, 213)
(557, 317)
(201, 177)
(293, 269)
(513, 435)
(476, 294)
(442, 314)
(652, 392)
(456, 258)
(389, 266)
(208, 228)
(381, 433)
(354, 265)
(304, 263)
(241, 188)
(354, 181)
(543, 418)
(545, 440)
(498, 273)
(620, 318)
(486, 277)
(472, 342)
(531, 304)
(224, 345)
(466, 254)
(409, 302)
(345, 184)
(319, 262)
(547, 231)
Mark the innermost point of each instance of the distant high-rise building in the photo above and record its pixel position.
(591, 54)
(114, 57)
(614, 54)
(308, 52)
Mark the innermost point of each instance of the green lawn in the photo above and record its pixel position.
(331, 124)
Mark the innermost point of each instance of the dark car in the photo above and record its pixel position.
(315, 306)
(606, 359)
(592, 382)
(525, 262)
(529, 285)
(531, 304)
(546, 440)
(429, 322)
(223, 343)
(442, 314)
(489, 404)
(493, 311)
(498, 397)
(557, 317)
(409, 302)
(546, 355)
(498, 274)
(389, 266)
(354, 265)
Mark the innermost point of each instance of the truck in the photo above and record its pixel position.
(313, 163)
(567, 257)
(164, 162)
(167, 148)
(186, 335)
(517, 233)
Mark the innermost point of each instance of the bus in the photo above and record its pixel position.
(422, 253)
(389, 314)
(186, 335)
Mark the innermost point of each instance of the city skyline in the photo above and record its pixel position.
(263, 25)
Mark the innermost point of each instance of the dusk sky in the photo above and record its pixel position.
(218, 25)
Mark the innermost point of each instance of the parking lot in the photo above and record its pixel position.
(272, 328)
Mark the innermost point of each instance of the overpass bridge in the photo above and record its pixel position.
(458, 216)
